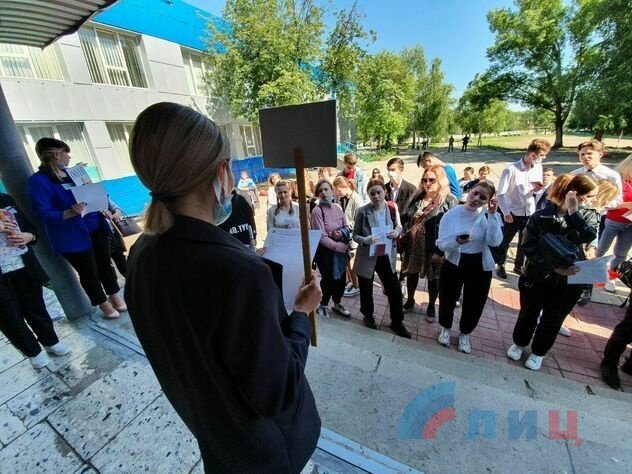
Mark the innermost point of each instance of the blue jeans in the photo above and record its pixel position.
(623, 233)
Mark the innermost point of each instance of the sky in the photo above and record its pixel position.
(456, 31)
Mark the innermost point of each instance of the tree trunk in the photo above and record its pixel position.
(414, 136)
(559, 128)
(599, 134)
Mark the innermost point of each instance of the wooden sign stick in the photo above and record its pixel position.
(302, 213)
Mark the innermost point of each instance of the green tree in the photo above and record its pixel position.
(431, 112)
(541, 55)
(477, 113)
(273, 52)
(385, 91)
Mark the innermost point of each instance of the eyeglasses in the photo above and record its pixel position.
(429, 180)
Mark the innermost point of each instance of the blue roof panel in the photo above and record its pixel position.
(171, 20)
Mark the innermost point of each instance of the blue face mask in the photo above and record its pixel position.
(223, 205)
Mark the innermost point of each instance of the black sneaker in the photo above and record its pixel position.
(500, 272)
(370, 322)
(627, 367)
(430, 314)
(584, 299)
(517, 270)
(610, 375)
(400, 330)
(410, 304)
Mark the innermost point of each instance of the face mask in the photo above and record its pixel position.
(223, 205)
(393, 174)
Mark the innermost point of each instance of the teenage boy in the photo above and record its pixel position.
(518, 184)
(355, 174)
(590, 155)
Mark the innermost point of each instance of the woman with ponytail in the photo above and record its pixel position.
(284, 214)
(208, 312)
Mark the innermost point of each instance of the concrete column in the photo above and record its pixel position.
(15, 169)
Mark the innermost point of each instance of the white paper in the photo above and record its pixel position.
(284, 246)
(310, 127)
(79, 175)
(380, 233)
(591, 271)
(94, 195)
(7, 250)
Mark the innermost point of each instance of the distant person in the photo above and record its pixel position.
(248, 189)
(483, 175)
(354, 173)
(465, 140)
(24, 319)
(241, 222)
(377, 174)
(424, 143)
(427, 160)
(451, 143)
(468, 175)
(518, 184)
(618, 228)
(207, 311)
(590, 154)
(273, 179)
(285, 214)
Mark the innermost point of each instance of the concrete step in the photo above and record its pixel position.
(381, 390)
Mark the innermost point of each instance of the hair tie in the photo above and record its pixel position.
(162, 197)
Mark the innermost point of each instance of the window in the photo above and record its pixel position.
(112, 58)
(71, 133)
(248, 139)
(24, 61)
(119, 134)
(195, 69)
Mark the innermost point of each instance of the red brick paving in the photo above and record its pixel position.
(576, 357)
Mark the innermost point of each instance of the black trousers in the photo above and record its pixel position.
(620, 338)
(509, 232)
(469, 277)
(391, 287)
(554, 302)
(95, 269)
(22, 302)
(117, 251)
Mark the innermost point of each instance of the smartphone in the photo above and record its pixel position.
(463, 236)
(536, 183)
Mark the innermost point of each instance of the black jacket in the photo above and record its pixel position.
(404, 195)
(228, 357)
(433, 219)
(580, 228)
(36, 272)
(241, 220)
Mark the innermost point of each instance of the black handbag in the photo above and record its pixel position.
(127, 226)
(557, 250)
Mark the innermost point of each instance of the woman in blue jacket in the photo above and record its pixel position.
(82, 240)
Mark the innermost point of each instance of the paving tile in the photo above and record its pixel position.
(9, 356)
(10, 425)
(156, 441)
(18, 378)
(39, 400)
(82, 371)
(101, 411)
(79, 341)
(39, 450)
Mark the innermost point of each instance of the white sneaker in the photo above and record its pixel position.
(610, 286)
(444, 337)
(40, 360)
(515, 352)
(338, 308)
(464, 343)
(58, 349)
(534, 362)
(564, 331)
(322, 311)
(351, 291)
